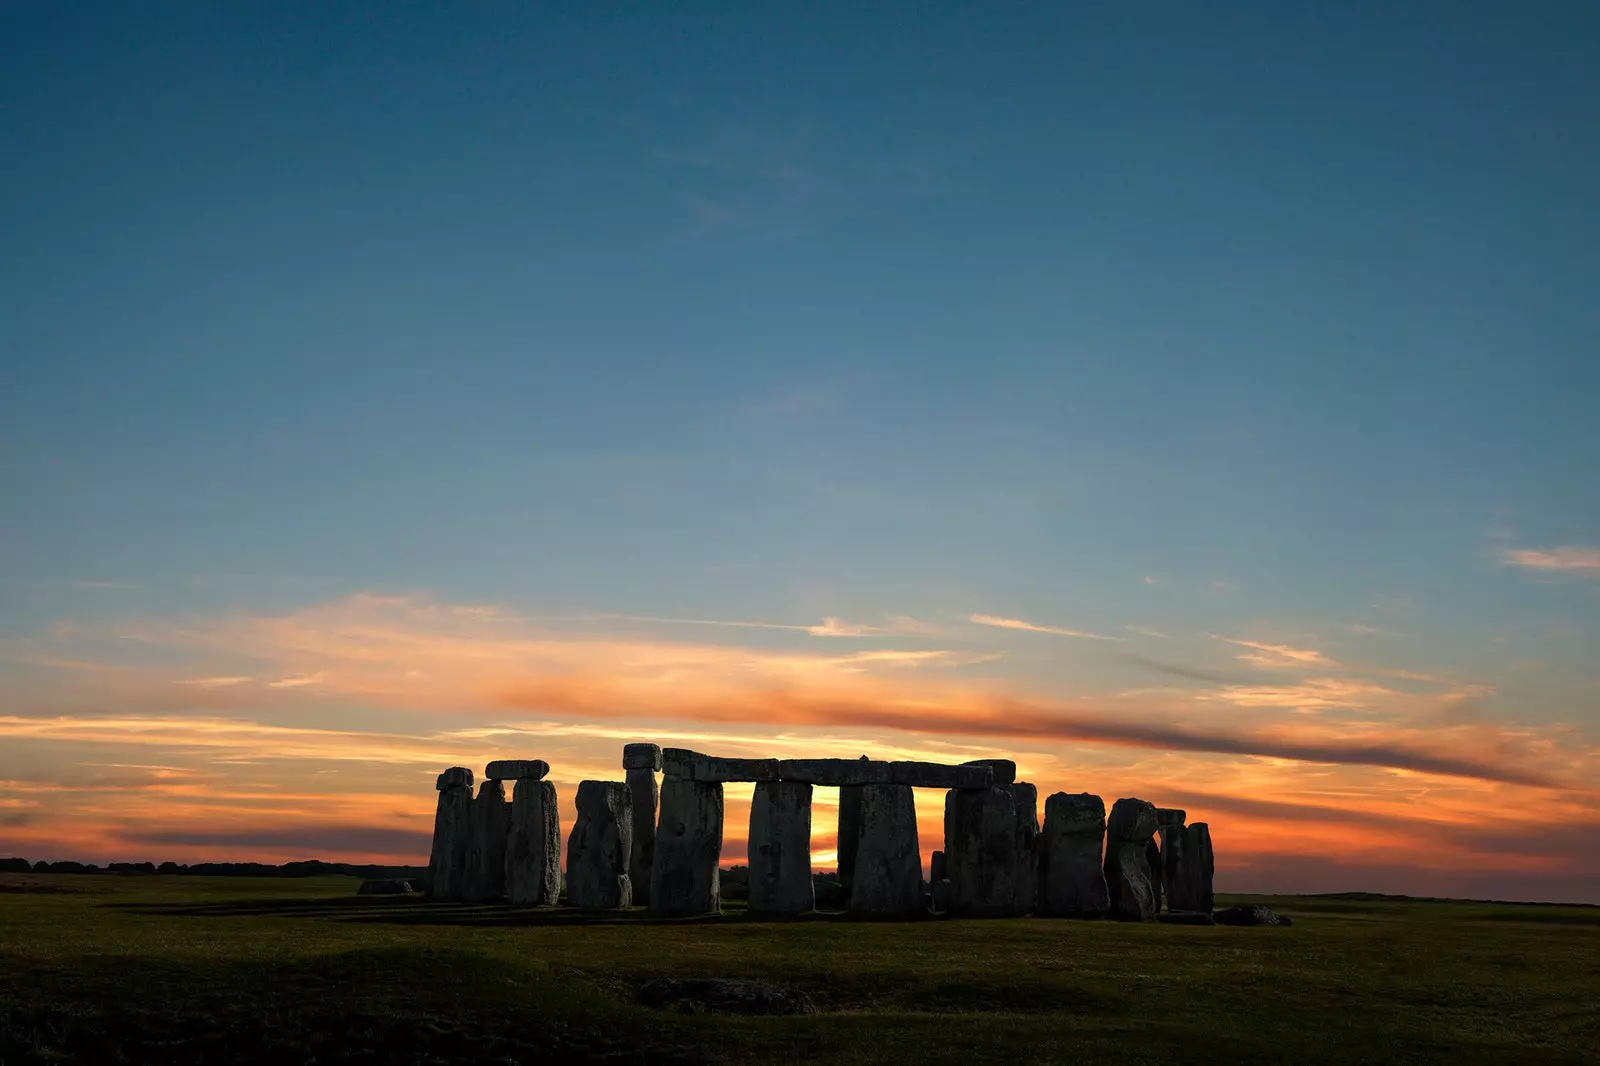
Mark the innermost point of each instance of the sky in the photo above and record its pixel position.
(1190, 402)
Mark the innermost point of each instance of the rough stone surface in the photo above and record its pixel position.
(452, 839)
(455, 777)
(485, 877)
(693, 766)
(888, 874)
(599, 847)
(645, 794)
(684, 878)
(1246, 915)
(780, 848)
(533, 848)
(641, 756)
(516, 770)
(1128, 882)
(991, 839)
(835, 772)
(1072, 879)
(1153, 861)
(1004, 770)
(936, 866)
(1189, 866)
(939, 775)
(384, 886)
(721, 995)
(1170, 816)
(849, 833)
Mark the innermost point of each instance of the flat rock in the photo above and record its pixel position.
(516, 770)
(693, 766)
(641, 756)
(721, 995)
(455, 777)
(835, 772)
(533, 845)
(1072, 879)
(599, 848)
(1004, 770)
(384, 886)
(1246, 914)
(940, 775)
(684, 874)
(780, 848)
(888, 874)
(1185, 918)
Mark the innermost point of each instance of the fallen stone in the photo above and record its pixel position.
(834, 772)
(455, 777)
(684, 878)
(1189, 866)
(516, 770)
(693, 766)
(888, 874)
(452, 839)
(533, 846)
(485, 877)
(1072, 879)
(936, 867)
(780, 848)
(642, 788)
(940, 775)
(1004, 770)
(1245, 914)
(641, 757)
(1185, 918)
(1127, 865)
(599, 848)
(990, 837)
(384, 886)
(719, 995)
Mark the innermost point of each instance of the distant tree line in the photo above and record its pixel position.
(304, 868)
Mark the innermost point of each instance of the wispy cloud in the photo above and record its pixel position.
(1579, 562)
(1278, 656)
(1030, 627)
(214, 682)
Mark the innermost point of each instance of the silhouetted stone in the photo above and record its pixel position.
(834, 772)
(684, 878)
(693, 766)
(533, 846)
(642, 788)
(888, 874)
(780, 848)
(1128, 832)
(849, 832)
(452, 837)
(1152, 861)
(1170, 816)
(599, 848)
(455, 777)
(641, 756)
(385, 886)
(1189, 866)
(1245, 914)
(991, 838)
(718, 995)
(1072, 880)
(939, 896)
(1185, 918)
(940, 775)
(516, 770)
(485, 877)
(936, 866)
(830, 894)
(1004, 770)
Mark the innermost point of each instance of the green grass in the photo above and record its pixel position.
(110, 969)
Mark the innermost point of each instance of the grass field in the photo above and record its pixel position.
(196, 969)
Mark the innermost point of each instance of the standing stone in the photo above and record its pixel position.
(684, 878)
(452, 834)
(990, 839)
(641, 757)
(849, 831)
(936, 867)
(1128, 832)
(1152, 859)
(1169, 821)
(1190, 866)
(780, 848)
(888, 873)
(642, 789)
(485, 878)
(1072, 879)
(599, 848)
(533, 849)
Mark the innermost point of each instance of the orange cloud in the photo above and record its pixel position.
(1583, 562)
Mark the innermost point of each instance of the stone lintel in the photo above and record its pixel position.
(455, 777)
(693, 766)
(940, 775)
(835, 772)
(1005, 770)
(516, 770)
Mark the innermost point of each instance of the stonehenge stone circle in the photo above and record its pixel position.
(533, 847)
(640, 762)
(692, 766)
(1128, 831)
(485, 877)
(990, 838)
(888, 873)
(838, 772)
(1190, 866)
(684, 876)
(600, 846)
(938, 775)
(452, 834)
(1004, 770)
(1072, 880)
(516, 770)
(780, 848)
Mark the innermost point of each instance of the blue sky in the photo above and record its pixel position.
(1271, 324)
